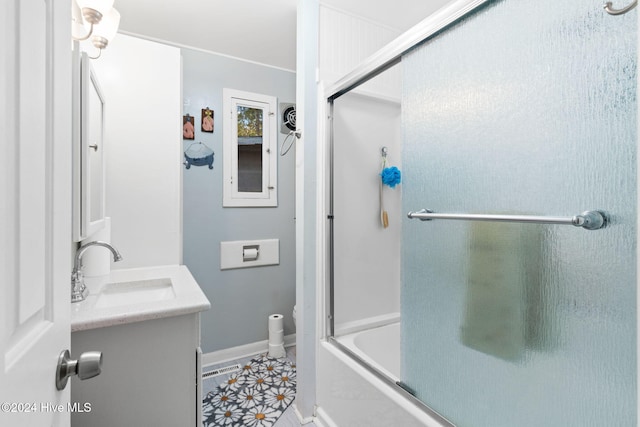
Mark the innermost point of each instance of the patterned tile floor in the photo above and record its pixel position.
(287, 419)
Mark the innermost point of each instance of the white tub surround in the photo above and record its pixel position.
(146, 323)
(117, 298)
(379, 347)
(350, 395)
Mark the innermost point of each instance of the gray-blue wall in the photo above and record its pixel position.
(241, 299)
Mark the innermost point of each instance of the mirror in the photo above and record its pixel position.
(89, 164)
(93, 146)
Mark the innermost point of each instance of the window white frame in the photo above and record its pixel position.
(231, 196)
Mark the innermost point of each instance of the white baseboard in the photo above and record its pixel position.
(241, 351)
(301, 419)
(323, 419)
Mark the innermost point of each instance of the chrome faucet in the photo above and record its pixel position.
(78, 289)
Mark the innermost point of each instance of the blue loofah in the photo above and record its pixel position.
(391, 176)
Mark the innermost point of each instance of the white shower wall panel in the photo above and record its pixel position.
(345, 41)
(367, 256)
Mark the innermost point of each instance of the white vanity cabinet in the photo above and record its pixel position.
(149, 374)
(151, 371)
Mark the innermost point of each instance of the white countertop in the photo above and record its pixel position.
(188, 298)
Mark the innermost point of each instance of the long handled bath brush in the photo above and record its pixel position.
(384, 216)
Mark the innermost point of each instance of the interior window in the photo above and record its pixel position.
(249, 122)
(250, 149)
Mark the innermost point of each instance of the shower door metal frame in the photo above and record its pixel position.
(379, 62)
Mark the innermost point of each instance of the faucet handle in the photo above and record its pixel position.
(78, 289)
(79, 293)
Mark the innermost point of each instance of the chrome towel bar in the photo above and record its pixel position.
(608, 7)
(589, 220)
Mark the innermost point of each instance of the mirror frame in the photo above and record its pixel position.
(86, 80)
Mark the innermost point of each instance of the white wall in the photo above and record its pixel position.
(141, 82)
(346, 40)
(309, 218)
(241, 299)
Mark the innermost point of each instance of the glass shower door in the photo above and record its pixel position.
(524, 107)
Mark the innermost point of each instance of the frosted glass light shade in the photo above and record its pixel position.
(80, 29)
(107, 28)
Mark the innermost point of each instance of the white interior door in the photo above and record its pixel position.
(35, 209)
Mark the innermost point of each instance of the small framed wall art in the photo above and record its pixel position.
(188, 130)
(207, 120)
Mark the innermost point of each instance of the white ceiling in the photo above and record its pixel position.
(257, 30)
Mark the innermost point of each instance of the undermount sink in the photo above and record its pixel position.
(135, 292)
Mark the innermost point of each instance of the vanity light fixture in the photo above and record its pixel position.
(103, 18)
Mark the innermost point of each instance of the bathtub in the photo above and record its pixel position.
(350, 394)
(379, 347)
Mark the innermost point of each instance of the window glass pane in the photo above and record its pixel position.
(249, 149)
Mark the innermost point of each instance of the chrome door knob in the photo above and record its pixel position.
(88, 365)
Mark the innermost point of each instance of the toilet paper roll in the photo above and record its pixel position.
(250, 254)
(276, 323)
(97, 261)
(276, 336)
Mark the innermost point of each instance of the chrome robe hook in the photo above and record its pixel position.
(293, 135)
(608, 7)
